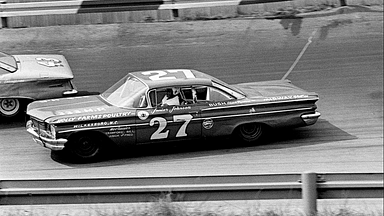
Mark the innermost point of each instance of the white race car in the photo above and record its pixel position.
(25, 78)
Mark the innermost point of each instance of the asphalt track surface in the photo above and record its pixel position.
(343, 63)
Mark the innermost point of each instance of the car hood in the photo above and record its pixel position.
(274, 90)
(40, 67)
(75, 109)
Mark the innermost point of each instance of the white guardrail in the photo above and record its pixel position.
(307, 186)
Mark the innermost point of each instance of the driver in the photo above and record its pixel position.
(172, 97)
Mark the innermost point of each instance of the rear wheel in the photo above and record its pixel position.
(9, 107)
(250, 132)
(86, 146)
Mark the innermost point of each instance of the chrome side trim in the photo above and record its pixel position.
(256, 103)
(194, 119)
(100, 127)
(262, 113)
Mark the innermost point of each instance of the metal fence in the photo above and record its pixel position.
(306, 186)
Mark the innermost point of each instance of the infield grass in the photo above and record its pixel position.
(166, 207)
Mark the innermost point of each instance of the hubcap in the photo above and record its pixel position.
(86, 147)
(251, 132)
(9, 106)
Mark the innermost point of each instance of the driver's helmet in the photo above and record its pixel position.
(175, 91)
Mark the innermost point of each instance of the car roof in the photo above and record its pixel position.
(173, 77)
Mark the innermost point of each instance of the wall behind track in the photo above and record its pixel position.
(245, 7)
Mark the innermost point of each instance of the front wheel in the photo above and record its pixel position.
(250, 132)
(85, 146)
(9, 107)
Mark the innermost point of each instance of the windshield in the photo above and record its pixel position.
(126, 92)
(7, 63)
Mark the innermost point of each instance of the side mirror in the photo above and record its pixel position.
(70, 92)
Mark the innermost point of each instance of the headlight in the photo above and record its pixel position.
(52, 130)
(30, 124)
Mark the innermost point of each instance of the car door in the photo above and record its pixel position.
(159, 123)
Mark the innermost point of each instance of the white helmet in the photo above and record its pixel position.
(175, 90)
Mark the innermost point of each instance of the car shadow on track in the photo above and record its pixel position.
(320, 133)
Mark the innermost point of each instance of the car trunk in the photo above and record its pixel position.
(272, 89)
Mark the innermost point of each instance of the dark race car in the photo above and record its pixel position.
(168, 105)
(24, 78)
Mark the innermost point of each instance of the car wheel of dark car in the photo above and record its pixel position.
(9, 107)
(86, 146)
(250, 132)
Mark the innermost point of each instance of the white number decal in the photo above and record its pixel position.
(162, 75)
(159, 134)
(187, 73)
(159, 75)
(186, 118)
(49, 62)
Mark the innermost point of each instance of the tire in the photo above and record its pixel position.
(85, 147)
(9, 107)
(250, 132)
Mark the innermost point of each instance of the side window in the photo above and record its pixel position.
(201, 93)
(194, 94)
(186, 95)
(218, 95)
(153, 98)
(158, 96)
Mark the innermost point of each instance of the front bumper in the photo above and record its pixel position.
(53, 144)
(310, 119)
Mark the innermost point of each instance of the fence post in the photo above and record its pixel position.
(309, 193)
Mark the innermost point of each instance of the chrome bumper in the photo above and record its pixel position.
(310, 119)
(53, 144)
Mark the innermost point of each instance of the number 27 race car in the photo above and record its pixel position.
(167, 105)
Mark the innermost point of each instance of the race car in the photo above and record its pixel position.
(25, 78)
(167, 105)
